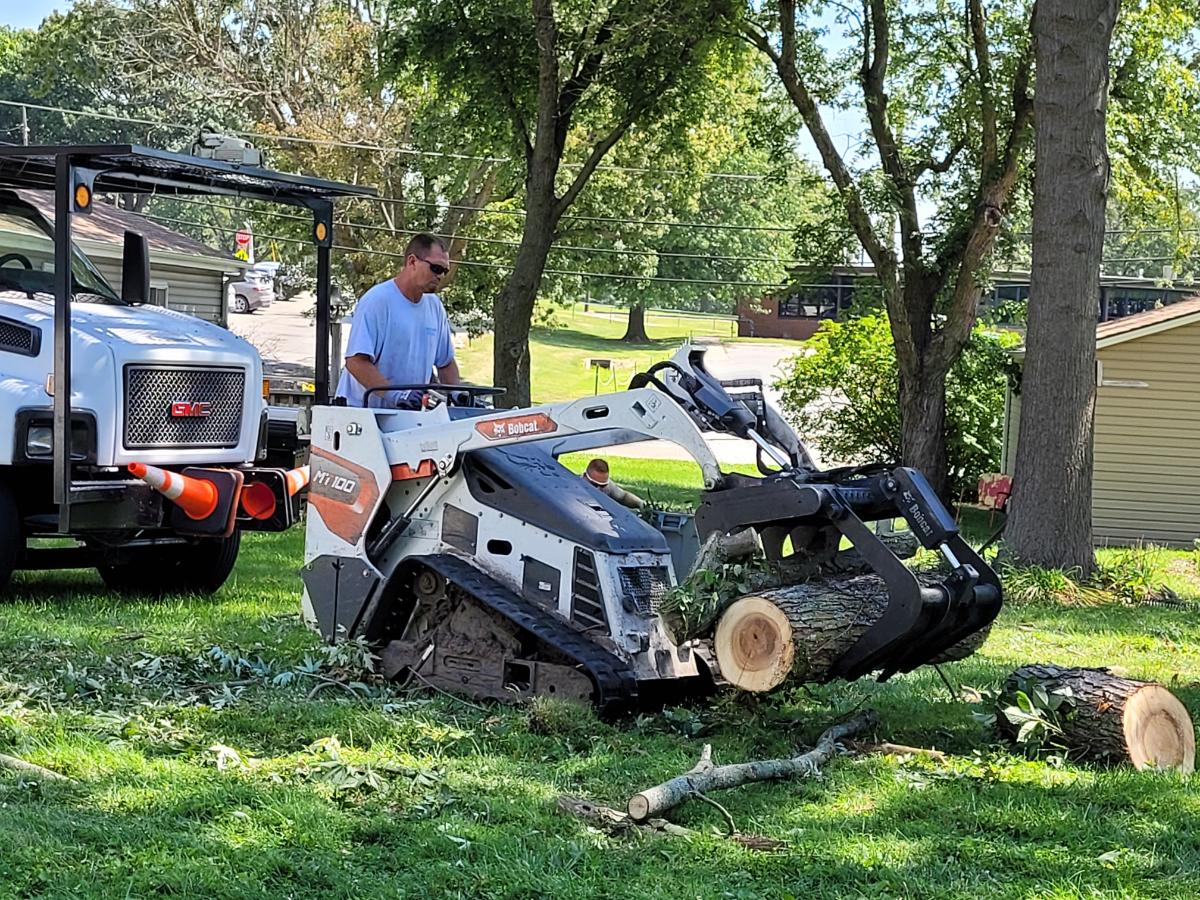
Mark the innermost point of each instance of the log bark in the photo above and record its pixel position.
(792, 570)
(706, 777)
(1118, 719)
(796, 633)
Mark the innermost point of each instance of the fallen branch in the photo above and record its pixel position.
(28, 768)
(613, 821)
(705, 777)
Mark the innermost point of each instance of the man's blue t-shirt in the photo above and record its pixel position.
(405, 340)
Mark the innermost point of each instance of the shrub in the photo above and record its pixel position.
(843, 396)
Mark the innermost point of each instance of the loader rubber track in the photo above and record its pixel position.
(616, 685)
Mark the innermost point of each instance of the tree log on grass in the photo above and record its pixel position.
(796, 633)
(1114, 718)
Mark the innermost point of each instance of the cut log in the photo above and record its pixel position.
(706, 608)
(796, 633)
(1115, 718)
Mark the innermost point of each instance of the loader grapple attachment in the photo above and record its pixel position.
(920, 622)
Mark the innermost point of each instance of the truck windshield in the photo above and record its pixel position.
(27, 258)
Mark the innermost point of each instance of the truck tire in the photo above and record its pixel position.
(12, 535)
(199, 568)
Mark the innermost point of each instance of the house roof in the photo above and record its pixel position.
(1166, 317)
(107, 225)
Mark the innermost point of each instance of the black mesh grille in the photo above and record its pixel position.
(18, 338)
(152, 391)
(587, 602)
(646, 586)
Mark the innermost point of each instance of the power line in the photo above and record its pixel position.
(379, 148)
(483, 265)
(496, 241)
(520, 213)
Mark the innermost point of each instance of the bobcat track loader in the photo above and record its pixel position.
(452, 539)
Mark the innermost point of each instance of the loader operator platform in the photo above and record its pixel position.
(401, 333)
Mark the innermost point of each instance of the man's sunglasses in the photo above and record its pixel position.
(436, 268)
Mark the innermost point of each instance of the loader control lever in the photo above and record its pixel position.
(472, 391)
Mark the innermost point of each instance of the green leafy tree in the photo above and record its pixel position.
(947, 101)
(841, 396)
(568, 81)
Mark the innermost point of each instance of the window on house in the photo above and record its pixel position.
(818, 301)
(158, 293)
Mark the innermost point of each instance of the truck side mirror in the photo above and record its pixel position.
(135, 269)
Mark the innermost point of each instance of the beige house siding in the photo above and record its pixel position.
(1012, 425)
(1147, 430)
(197, 292)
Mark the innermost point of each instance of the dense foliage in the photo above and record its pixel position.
(841, 394)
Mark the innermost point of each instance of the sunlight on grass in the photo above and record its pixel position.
(217, 774)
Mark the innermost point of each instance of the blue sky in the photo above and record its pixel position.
(29, 13)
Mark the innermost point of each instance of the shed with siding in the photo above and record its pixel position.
(185, 274)
(1146, 482)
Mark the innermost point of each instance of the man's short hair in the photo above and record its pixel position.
(598, 465)
(422, 243)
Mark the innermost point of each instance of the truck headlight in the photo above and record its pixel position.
(39, 441)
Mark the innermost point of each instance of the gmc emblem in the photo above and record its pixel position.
(190, 409)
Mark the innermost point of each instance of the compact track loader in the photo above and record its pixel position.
(452, 538)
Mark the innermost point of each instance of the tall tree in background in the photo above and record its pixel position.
(949, 112)
(1051, 521)
(570, 79)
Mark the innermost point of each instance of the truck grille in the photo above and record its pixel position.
(645, 586)
(151, 391)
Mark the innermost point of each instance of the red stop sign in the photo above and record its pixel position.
(242, 240)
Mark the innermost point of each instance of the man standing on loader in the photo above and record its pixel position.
(401, 332)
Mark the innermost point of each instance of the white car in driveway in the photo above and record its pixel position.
(255, 291)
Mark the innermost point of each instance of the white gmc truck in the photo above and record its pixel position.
(146, 384)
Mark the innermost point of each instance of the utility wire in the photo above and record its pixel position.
(379, 148)
(496, 241)
(482, 265)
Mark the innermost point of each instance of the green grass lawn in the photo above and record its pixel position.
(213, 758)
(559, 353)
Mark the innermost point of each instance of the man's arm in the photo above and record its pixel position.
(365, 372)
(624, 497)
(448, 374)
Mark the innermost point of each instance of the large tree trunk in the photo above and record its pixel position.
(1051, 519)
(1114, 718)
(923, 425)
(635, 330)
(513, 311)
(795, 634)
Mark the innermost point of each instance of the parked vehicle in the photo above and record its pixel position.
(138, 431)
(256, 290)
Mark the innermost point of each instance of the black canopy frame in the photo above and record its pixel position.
(130, 168)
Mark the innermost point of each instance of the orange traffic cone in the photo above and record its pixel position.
(195, 496)
(296, 480)
(258, 500)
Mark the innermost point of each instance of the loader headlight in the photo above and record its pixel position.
(40, 440)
